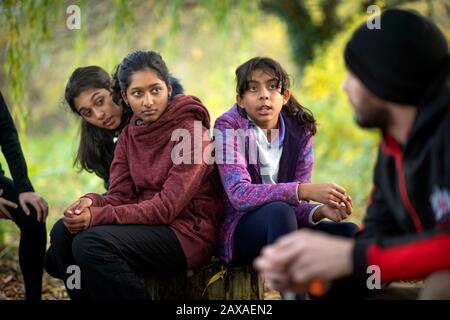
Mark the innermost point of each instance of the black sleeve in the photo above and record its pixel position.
(377, 224)
(9, 142)
(399, 256)
(403, 256)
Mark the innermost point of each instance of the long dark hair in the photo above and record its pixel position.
(293, 107)
(96, 148)
(133, 62)
(95, 151)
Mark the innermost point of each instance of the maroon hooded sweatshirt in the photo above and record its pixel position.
(148, 188)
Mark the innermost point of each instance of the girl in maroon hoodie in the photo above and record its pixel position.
(160, 215)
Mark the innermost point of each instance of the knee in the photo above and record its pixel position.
(436, 286)
(348, 229)
(29, 223)
(59, 235)
(59, 244)
(58, 229)
(280, 212)
(89, 246)
(342, 229)
(279, 218)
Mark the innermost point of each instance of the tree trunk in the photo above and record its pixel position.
(235, 283)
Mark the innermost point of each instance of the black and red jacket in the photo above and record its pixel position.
(407, 226)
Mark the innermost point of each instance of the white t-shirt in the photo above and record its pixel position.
(269, 155)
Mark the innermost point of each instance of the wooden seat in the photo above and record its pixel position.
(215, 281)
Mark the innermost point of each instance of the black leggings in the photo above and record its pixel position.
(113, 258)
(33, 240)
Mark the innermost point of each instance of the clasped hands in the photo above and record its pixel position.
(77, 217)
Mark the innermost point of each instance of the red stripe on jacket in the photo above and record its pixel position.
(392, 147)
(414, 260)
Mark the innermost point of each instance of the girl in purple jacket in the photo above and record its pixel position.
(264, 152)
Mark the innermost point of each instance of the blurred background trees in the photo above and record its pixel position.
(202, 41)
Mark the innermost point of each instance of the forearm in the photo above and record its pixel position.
(9, 141)
(147, 212)
(245, 196)
(403, 258)
(114, 199)
(306, 214)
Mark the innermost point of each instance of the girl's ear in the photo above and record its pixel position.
(239, 100)
(169, 89)
(124, 96)
(286, 96)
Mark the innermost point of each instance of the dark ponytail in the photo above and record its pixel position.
(293, 107)
(304, 115)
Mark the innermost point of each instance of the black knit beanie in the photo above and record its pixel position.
(399, 61)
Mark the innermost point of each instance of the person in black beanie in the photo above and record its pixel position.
(398, 81)
(19, 202)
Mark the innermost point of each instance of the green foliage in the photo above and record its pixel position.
(195, 54)
(50, 167)
(313, 23)
(344, 153)
(202, 42)
(26, 24)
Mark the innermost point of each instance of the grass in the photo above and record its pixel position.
(50, 168)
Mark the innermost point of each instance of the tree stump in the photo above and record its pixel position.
(231, 283)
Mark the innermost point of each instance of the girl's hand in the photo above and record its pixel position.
(78, 206)
(38, 203)
(4, 213)
(326, 193)
(78, 222)
(77, 217)
(332, 213)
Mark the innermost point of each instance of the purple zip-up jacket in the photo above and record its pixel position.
(244, 190)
